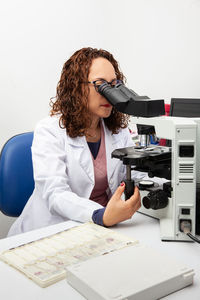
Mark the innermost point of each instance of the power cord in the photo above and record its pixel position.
(186, 228)
(194, 238)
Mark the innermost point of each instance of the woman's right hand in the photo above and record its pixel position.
(118, 210)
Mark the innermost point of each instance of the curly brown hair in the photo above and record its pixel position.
(71, 101)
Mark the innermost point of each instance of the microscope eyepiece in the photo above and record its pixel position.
(114, 95)
(128, 102)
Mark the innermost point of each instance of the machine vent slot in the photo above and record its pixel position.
(186, 168)
(186, 180)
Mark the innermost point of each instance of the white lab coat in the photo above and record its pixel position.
(64, 176)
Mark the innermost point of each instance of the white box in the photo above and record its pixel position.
(136, 272)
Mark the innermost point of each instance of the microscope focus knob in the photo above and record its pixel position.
(155, 200)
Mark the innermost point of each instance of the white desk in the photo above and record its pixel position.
(14, 285)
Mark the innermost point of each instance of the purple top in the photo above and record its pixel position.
(101, 191)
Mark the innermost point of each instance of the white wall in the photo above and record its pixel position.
(157, 43)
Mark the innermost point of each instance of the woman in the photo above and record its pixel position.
(75, 177)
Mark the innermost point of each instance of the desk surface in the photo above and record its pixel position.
(14, 285)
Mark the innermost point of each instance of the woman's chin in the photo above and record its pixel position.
(106, 113)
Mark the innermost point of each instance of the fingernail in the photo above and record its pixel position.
(122, 184)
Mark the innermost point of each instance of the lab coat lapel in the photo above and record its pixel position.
(82, 153)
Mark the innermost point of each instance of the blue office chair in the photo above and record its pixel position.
(16, 174)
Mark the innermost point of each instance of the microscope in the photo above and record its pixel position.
(176, 200)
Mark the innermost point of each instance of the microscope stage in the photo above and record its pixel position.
(135, 155)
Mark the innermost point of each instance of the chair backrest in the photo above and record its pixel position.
(16, 174)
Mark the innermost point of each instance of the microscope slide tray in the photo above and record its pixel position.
(137, 272)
